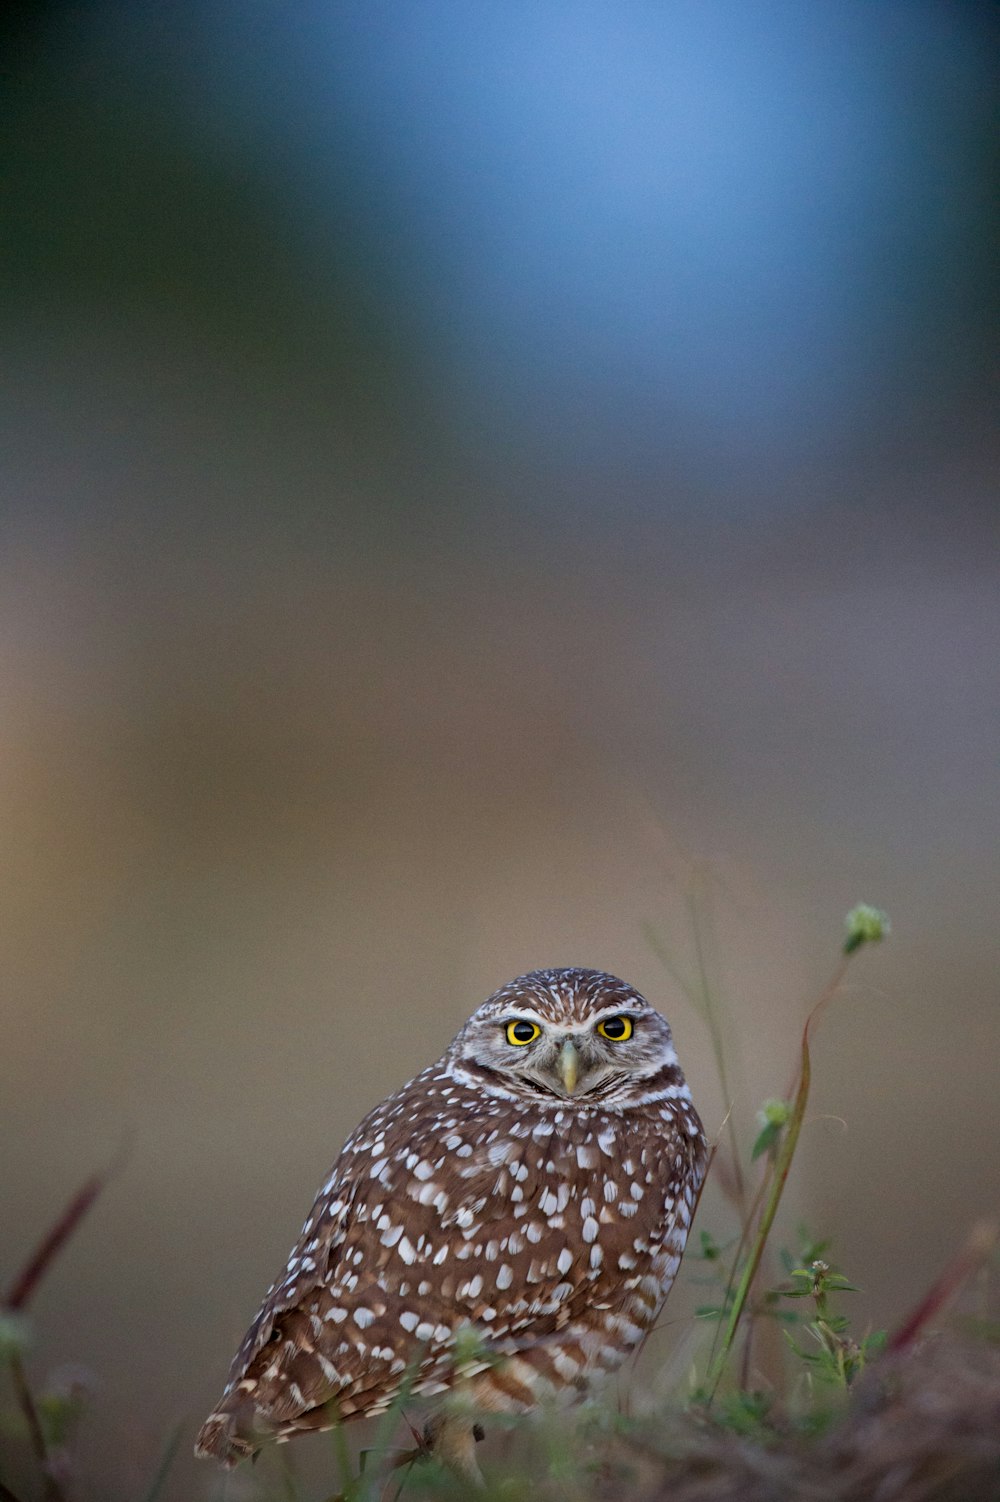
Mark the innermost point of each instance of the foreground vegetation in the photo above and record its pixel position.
(785, 1401)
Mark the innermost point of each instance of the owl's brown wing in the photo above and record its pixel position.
(448, 1209)
(228, 1433)
(313, 1261)
(323, 1234)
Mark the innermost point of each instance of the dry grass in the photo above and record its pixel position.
(922, 1426)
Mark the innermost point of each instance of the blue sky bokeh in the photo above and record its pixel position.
(692, 227)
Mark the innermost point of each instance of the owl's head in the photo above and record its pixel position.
(559, 1035)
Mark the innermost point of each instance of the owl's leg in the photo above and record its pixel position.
(451, 1438)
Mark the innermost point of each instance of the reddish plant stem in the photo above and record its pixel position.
(52, 1242)
(21, 1291)
(981, 1241)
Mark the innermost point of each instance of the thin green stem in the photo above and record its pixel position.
(718, 1051)
(348, 1483)
(776, 1186)
(53, 1492)
(699, 993)
(166, 1461)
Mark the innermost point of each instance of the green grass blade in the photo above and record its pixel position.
(166, 1461)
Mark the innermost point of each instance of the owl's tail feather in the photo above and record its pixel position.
(228, 1434)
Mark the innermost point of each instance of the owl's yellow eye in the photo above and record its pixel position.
(618, 1029)
(521, 1032)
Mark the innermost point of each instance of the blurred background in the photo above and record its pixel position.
(475, 479)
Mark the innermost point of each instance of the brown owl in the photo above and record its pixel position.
(507, 1225)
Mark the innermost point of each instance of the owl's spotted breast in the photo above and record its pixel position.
(547, 1222)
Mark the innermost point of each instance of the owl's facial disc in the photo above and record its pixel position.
(568, 1061)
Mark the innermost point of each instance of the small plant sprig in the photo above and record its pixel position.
(48, 1418)
(778, 1139)
(831, 1354)
(715, 1276)
(45, 1421)
(837, 1358)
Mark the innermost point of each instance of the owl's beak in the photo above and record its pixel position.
(569, 1066)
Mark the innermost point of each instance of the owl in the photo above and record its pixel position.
(505, 1227)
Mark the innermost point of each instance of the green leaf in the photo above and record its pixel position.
(710, 1249)
(766, 1139)
(15, 1336)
